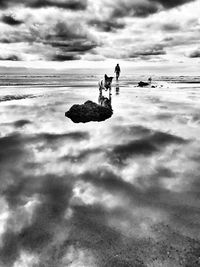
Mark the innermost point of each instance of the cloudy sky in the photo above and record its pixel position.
(71, 33)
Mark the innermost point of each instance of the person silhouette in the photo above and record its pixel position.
(117, 71)
(150, 80)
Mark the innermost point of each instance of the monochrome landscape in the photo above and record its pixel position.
(119, 185)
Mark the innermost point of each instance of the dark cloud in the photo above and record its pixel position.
(64, 57)
(138, 147)
(9, 19)
(171, 3)
(147, 191)
(9, 252)
(67, 4)
(71, 36)
(21, 123)
(70, 41)
(147, 142)
(154, 178)
(109, 181)
(131, 130)
(162, 138)
(5, 40)
(16, 192)
(180, 40)
(154, 50)
(132, 8)
(83, 155)
(17, 37)
(63, 31)
(53, 137)
(147, 145)
(107, 25)
(168, 39)
(74, 45)
(11, 58)
(164, 116)
(63, 41)
(143, 9)
(170, 27)
(76, 136)
(54, 141)
(54, 193)
(11, 148)
(194, 54)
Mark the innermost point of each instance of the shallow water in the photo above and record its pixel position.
(123, 192)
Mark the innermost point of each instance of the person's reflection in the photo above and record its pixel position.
(117, 89)
(105, 101)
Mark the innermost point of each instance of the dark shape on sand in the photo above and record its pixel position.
(142, 84)
(89, 111)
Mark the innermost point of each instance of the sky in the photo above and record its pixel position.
(100, 33)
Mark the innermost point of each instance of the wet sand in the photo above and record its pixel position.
(123, 192)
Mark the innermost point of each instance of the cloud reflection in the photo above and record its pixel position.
(117, 193)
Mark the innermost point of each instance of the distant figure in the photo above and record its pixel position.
(150, 80)
(117, 71)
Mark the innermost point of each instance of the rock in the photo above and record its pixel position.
(142, 84)
(89, 111)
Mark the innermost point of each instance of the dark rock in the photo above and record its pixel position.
(89, 111)
(142, 84)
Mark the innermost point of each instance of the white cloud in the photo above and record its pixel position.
(101, 32)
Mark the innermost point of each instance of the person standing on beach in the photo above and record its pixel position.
(117, 71)
(150, 80)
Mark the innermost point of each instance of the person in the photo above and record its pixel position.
(117, 71)
(150, 80)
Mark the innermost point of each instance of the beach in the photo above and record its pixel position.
(121, 192)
